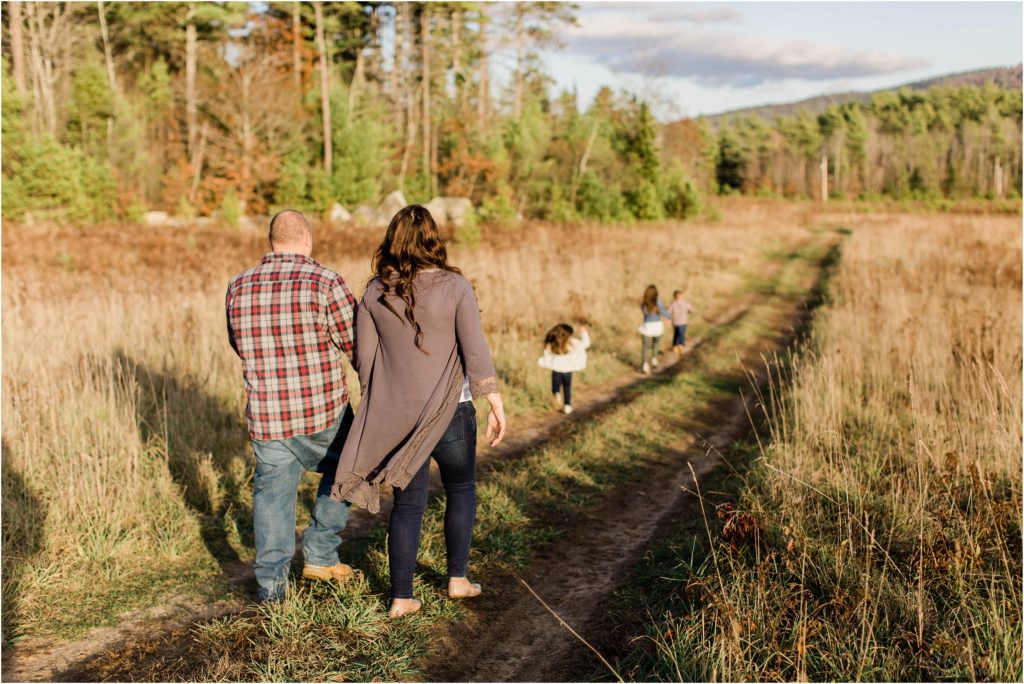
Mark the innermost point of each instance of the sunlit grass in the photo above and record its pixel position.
(556, 481)
(125, 457)
(878, 534)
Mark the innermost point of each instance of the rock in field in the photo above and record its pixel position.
(340, 214)
(454, 211)
(156, 218)
(392, 204)
(370, 216)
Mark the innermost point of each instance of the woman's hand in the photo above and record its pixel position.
(496, 423)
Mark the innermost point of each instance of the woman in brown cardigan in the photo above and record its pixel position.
(422, 359)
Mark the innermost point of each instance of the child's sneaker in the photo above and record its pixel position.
(567, 409)
(647, 368)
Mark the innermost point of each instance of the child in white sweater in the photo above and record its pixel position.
(563, 356)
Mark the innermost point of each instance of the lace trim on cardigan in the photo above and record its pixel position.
(484, 386)
(356, 489)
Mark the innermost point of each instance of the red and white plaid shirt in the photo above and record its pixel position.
(289, 320)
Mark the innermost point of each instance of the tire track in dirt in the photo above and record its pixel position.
(44, 660)
(522, 641)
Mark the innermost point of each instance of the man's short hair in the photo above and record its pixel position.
(288, 227)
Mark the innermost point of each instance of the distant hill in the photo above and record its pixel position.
(1007, 77)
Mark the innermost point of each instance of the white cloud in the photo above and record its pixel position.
(635, 45)
(690, 12)
(710, 15)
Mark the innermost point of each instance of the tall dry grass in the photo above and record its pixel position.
(126, 467)
(879, 535)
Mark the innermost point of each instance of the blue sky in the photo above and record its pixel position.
(694, 58)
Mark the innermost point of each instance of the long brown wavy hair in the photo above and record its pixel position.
(412, 243)
(557, 339)
(650, 300)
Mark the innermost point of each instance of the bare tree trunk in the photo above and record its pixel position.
(325, 96)
(583, 163)
(17, 46)
(248, 137)
(62, 63)
(517, 103)
(425, 44)
(398, 60)
(433, 163)
(297, 46)
(197, 163)
(823, 172)
(111, 74)
(373, 62)
(44, 78)
(410, 139)
(838, 179)
(483, 96)
(457, 51)
(191, 104)
(357, 79)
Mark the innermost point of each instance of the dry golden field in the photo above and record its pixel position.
(126, 467)
(873, 532)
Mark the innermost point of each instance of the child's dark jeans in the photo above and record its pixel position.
(562, 382)
(679, 335)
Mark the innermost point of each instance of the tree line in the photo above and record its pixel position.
(198, 108)
(947, 141)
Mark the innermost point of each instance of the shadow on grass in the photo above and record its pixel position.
(203, 438)
(23, 520)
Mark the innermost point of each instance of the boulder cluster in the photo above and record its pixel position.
(453, 212)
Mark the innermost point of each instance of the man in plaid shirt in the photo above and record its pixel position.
(290, 320)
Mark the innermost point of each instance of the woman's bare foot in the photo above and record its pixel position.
(460, 587)
(400, 607)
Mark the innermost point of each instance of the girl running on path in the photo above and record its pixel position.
(563, 356)
(653, 327)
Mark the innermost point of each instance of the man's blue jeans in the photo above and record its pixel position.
(280, 464)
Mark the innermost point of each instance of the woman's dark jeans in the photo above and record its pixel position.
(562, 382)
(456, 457)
